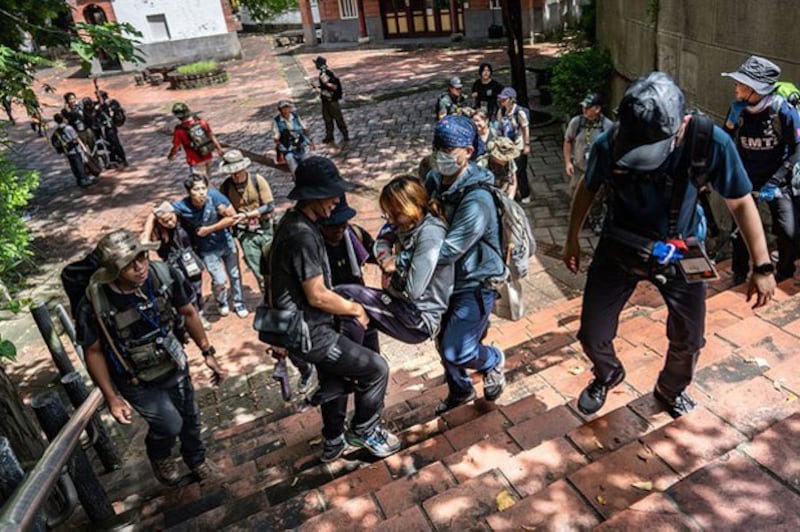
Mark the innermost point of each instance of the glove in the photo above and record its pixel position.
(666, 253)
(769, 193)
(735, 111)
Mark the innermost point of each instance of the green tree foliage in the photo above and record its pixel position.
(263, 10)
(16, 189)
(578, 73)
(113, 38)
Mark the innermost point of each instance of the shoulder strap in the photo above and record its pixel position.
(101, 306)
(162, 277)
(254, 180)
(777, 101)
(491, 189)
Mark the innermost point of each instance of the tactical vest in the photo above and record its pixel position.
(156, 355)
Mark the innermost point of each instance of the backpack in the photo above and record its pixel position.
(789, 92)
(507, 128)
(517, 244)
(59, 144)
(118, 113)
(199, 140)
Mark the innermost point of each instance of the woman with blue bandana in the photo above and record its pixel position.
(471, 244)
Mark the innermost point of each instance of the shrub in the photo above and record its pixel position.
(16, 189)
(201, 67)
(578, 73)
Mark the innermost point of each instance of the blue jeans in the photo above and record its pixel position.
(218, 263)
(293, 158)
(459, 340)
(170, 411)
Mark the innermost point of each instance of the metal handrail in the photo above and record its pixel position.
(23, 506)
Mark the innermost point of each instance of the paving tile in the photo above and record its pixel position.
(360, 513)
(396, 497)
(465, 435)
(557, 507)
(461, 506)
(778, 449)
(732, 493)
(489, 453)
(656, 512)
(608, 483)
(359, 482)
(542, 397)
(609, 432)
(411, 519)
(414, 458)
(552, 424)
(532, 470)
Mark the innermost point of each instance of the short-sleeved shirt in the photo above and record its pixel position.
(487, 96)
(762, 147)
(512, 124)
(180, 138)
(641, 206)
(66, 136)
(581, 133)
(88, 329)
(193, 218)
(251, 194)
(449, 104)
(298, 254)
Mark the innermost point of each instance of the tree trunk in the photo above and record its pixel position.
(512, 22)
(17, 424)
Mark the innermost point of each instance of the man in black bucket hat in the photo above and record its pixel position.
(653, 220)
(766, 130)
(300, 278)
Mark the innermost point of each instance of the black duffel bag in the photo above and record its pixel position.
(283, 328)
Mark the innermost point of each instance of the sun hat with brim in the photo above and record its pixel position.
(503, 149)
(317, 178)
(340, 214)
(284, 103)
(233, 161)
(650, 115)
(758, 73)
(116, 250)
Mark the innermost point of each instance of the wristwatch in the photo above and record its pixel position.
(764, 269)
(209, 351)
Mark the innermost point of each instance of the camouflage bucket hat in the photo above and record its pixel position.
(116, 250)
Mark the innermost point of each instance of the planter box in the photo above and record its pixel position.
(195, 81)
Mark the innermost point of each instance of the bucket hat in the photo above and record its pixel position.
(116, 250)
(233, 161)
(340, 214)
(650, 114)
(317, 178)
(181, 110)
(284, 103)
(503, 149)
(759, 73)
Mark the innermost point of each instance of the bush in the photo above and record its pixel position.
(578, 73)
(16, 189)
(201, 67)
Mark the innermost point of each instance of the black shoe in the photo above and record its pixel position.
(450, 402)
(593, 397)
(327, 140)
(333, 449)
(677, 406)
(346, 137)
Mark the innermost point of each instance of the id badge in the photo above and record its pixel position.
(696, 267)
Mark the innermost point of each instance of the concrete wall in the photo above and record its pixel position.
(694, 41)
(185, 18)
(184, 51)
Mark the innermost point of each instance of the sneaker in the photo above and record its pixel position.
(205, 322)
(305, 382)
(677, 406)
(327, 140)
(593, 397)
(166, 471)
(525, 201)
(494, 380)
(207, 471)
(380, 442)
(224, 310)
(242, 312)
(333, 449)
(451, 401)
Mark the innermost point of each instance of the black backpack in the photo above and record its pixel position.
(117, 113)
(75, 278)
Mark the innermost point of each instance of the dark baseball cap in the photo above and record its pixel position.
(650, 115)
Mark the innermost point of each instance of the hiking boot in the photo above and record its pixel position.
(242, 312)
(676, 406)
(305, 382)
(451, 401)
(206, 471)
(593, 397)
(380, 442)
(224, 310)
(333, 449)
(494, 381)
(166, 471)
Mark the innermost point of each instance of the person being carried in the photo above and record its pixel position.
(290, 135)
(581, 133)
(194, 136)
(648, 232)
(330, 92)
(131, 325)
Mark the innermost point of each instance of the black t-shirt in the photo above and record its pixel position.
(297, 255)
(88, 330)
(487, 96)
(341, 272)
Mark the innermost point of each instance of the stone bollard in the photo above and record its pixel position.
(45, 324)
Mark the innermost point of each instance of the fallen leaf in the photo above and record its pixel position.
(792, 397)
(315, 441)
(576, 370)
(601, 500)
(295, 481)
(504, 501)
(644, 485)
(599, 444)
(758, 361)
(269, 411)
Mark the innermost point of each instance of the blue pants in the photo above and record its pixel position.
(170, 411)
(218, 263)
(609, 284)
(459, 340)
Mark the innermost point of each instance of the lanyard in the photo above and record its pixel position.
(152, 318)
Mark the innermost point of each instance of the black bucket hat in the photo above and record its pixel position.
(318, 178)
(650, 115)
(759, 73)
(340, 214)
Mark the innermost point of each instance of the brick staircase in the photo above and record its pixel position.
(627, 467)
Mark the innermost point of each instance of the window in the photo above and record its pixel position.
(158, 27)
(348, 9)
(495, 4)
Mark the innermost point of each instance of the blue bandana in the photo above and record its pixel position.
(458, 131)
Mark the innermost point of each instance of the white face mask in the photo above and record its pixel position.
(447, 163)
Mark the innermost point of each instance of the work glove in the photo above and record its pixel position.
(769, 193)
(666, 252)
(735, 111)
